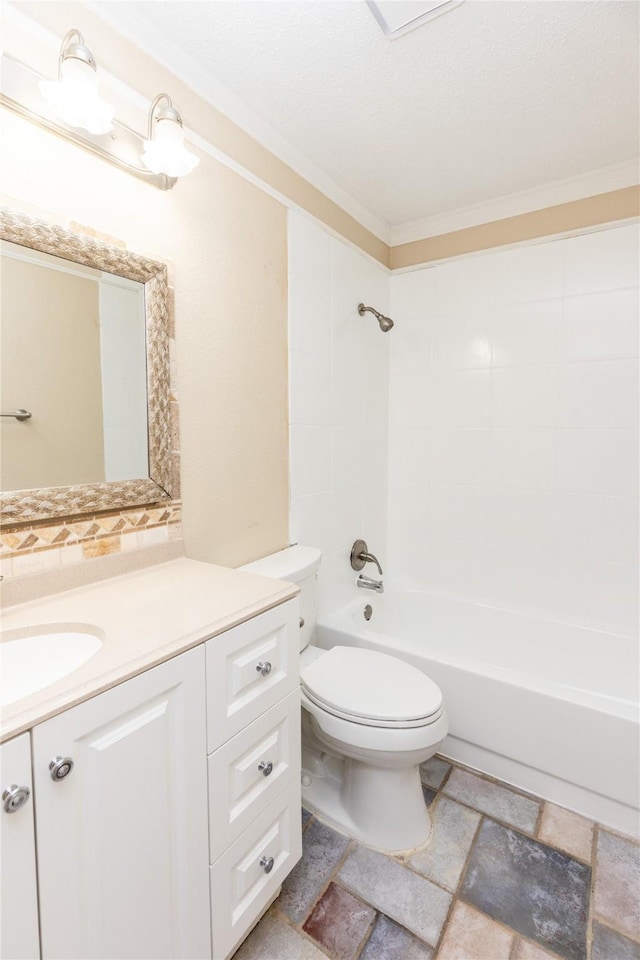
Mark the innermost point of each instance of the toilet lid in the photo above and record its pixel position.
(370, 686)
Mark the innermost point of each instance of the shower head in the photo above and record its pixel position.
(385, 322)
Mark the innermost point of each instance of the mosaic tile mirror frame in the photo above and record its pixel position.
(47, 503)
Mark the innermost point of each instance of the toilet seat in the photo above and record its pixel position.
(370, 688)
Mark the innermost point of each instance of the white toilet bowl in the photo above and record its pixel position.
(368, 721)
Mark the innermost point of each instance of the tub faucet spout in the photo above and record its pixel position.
(367, 583)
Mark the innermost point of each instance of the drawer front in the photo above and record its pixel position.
(250, 668)
(240, 885)
(252, 768)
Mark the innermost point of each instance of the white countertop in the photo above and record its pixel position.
(144, 618)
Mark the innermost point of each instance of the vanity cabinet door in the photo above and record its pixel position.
(19, 904)
(122, 836)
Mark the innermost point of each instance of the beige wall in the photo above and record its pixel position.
(550, 221)
(225, 242)
(49, 320)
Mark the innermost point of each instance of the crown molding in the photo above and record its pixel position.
(162, 49)
(590, 184)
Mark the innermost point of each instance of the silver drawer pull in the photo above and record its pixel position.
(267, 864)
(60, 767)
(301, 622)
(264, 667)
(15, 797)
(265, 767)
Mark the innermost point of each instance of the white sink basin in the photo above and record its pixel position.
(33, 658)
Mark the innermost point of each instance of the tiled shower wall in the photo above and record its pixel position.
(513, 440)
(339, 390)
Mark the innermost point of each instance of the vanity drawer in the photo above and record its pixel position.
(239, 789)
(240, 886)
(250, 668)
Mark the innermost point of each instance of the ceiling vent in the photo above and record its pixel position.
(397, 17)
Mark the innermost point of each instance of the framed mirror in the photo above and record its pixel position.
(85, 375)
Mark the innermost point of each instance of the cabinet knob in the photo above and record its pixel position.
(60, 767)
(264, 667)
(265, 767)
(15, 797)
(267, 864)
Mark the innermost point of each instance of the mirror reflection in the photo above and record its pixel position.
(73, 354)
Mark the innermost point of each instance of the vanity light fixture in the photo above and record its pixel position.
(164, 151)
(74, 95)
(71, 108)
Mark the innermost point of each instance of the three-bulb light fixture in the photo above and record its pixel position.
(75, 100)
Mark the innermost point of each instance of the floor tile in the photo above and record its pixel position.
(393, 889)
(496, 801)
(273, 937)
(470, 935)
(340, 922)
(609, 945)
(306, 816)
(433, 772)
(428, 794)
(531, 951)
(388, 941)
(617, 897)
(454, 828)
(567, 831)
(540, 892)
(322, 848)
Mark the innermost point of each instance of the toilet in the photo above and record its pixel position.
(368, 721)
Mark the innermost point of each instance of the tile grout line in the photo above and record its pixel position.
(592, 890)
(455, 893)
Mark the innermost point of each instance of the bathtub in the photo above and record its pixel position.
(551, 708)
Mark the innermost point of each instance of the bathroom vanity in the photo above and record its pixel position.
(163, 811)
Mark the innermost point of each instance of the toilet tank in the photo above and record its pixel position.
(299, 565)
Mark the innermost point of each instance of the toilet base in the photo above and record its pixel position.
(382, 808)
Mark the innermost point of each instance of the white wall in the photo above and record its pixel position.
(513, 429)
(338, 403)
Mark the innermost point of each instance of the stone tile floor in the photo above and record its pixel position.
(505, 876)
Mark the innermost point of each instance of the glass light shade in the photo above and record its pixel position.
(75, 97)
(166, 153)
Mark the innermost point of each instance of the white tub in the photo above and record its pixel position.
(549, 707)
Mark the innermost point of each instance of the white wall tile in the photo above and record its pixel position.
(349, 457)
(522, 518)
(462, 340)
(529, 273)
(603, 394)
(458, 511)
(409, 457)
(525, 396)
(604, 260)
(458, 456)
(599, 528)
(460, 398)
(310, 459)
(601, 326)
(409, 399)
(527, 333)
(523, 458)
(598, 461)
(310, 388)
(463, 285)
(311, 517)
(309, 287)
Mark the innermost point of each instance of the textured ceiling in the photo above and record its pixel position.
(490, 99)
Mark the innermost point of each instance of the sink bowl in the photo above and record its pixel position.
(33, 658)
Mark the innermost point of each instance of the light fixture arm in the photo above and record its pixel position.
(168, 112)
(75, 49)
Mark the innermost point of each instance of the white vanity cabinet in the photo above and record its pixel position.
(19, 901)
(123, 835)
(167, 808)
